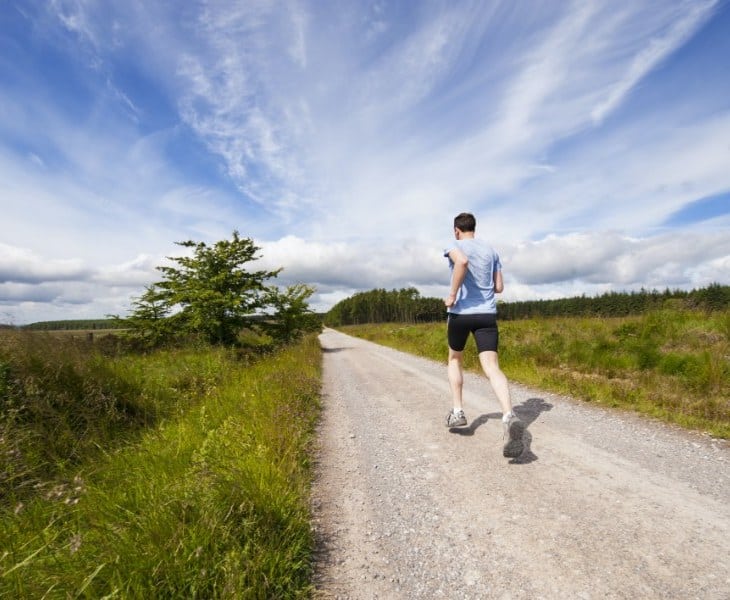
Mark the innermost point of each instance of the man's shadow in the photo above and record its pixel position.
(528, 412)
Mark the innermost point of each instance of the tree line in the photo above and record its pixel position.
(619, 304)
(408, 306)
(74, 325)
(380, 306)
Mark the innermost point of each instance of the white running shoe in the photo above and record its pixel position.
(514, 430)
(455, 419)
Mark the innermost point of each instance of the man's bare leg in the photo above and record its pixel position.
(498, 380)
(456, 416)
(456, 378)
(514, 428)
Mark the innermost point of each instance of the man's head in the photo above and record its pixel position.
(465, 222)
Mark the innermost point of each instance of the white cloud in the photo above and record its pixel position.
(14, 293)
(20, 265)
(619, 262)
(137, 273)
(631, 179)
(298, 25)
(354, 265)
(73, 14)
(597, 261)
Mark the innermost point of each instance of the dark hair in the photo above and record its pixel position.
(465, 222)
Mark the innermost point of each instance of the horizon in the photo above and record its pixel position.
(499, 302)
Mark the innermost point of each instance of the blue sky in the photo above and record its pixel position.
(590, 139)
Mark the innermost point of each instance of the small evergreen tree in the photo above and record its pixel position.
(149, 320)
(212, 294)
(292, 315)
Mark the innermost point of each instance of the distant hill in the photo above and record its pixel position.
(76, 324)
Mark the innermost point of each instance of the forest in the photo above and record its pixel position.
(408, 306)
(75, 325)
(380, 306)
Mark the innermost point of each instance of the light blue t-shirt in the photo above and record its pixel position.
(476, 294)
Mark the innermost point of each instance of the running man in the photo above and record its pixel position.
(476, 275)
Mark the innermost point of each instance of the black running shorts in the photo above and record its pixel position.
(483, 326)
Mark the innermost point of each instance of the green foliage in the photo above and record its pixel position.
(380, 306)
(209, 502)
(76, 324)
(616, 304)
(714, 297)
(407, 306)
(292, 316)
(210, 292)
(61, 400)
(149, 321)
(213, 296)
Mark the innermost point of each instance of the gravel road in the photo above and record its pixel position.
(601, 504)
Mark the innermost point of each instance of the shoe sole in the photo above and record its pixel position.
(514, 447)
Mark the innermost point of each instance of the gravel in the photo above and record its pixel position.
(602, 504)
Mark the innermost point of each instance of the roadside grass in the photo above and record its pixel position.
(205, 497)
(62, 401)
(672, 364)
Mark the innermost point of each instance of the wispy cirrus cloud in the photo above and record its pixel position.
(689, 16)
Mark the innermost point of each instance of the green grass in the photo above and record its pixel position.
(207, 497)
(670, 364)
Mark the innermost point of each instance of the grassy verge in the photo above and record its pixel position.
(670, 364)
(208, 500)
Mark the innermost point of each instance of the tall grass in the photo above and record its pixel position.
(61, 401)
(207, 500)
(673, 364)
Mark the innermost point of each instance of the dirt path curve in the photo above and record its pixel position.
(600, 505)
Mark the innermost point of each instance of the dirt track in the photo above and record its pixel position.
(600, 505)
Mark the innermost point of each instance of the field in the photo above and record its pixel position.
(671, 364)
(186, 472)
(180, 473)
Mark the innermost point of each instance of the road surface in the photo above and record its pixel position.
(602, 504)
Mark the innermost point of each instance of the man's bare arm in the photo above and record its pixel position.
(498, 282)
(461, 262)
